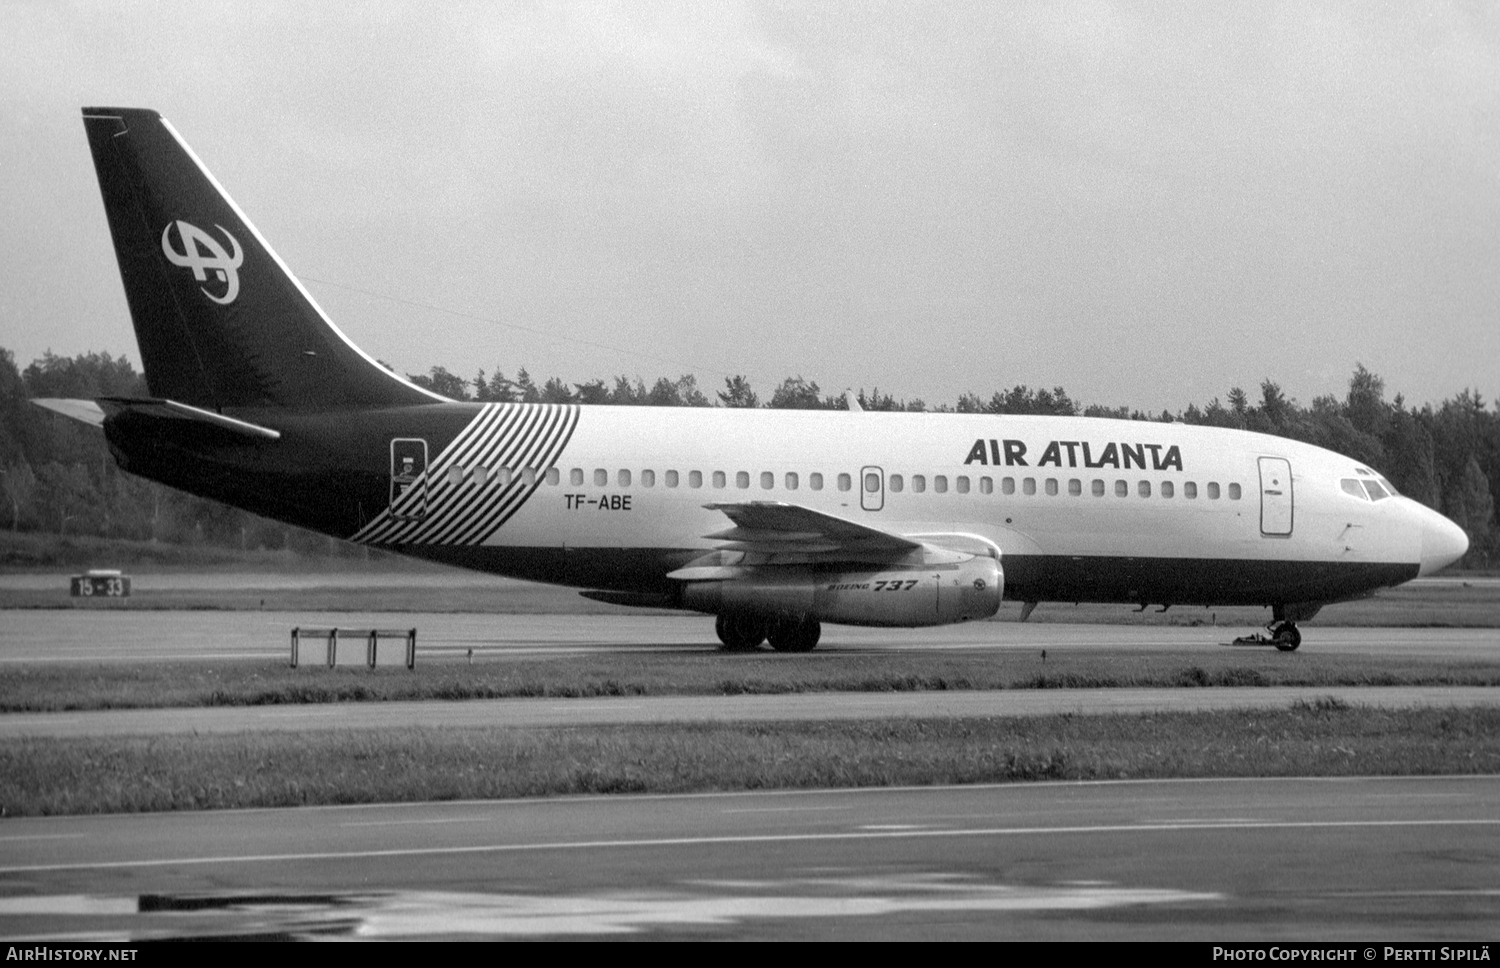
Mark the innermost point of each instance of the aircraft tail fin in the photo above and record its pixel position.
(220, 320)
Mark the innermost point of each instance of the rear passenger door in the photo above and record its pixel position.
(408, 478)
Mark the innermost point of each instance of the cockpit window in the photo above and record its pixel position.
(1377, 493)
(1388, 489)
(1351, 487)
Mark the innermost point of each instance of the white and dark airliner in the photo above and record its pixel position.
(774, 521)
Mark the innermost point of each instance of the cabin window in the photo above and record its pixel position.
(720, 479)
(1166, 488)
(1075, 487)
(623, 478)
(918, 483)
(1351, 487)
(1007, 485)
(1122, 489)
(601, 477)
(1234, 492)
(986, 486)
(962, 483)
(742, 479)
(1143, 488)
(1097, 487)
(553, 475)
(670, 478)
(648, 478)
(481, 475)
(1028, 486)
(897, 483)
(1213, 491)
(575, 477)
(815, 481)
(502, 476)
(455, 475)
(940, 484)
(1052, 487)
(695, 478)
(528, 476)
(791, 480)
(767, 480)
(845, 482)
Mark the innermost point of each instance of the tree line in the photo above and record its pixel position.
(57, 477)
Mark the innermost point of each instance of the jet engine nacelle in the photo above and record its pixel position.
(897, 597)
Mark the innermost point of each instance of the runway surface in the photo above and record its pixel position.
(90, 635)
(1218, 860)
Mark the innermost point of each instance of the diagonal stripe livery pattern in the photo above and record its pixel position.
(525, 438)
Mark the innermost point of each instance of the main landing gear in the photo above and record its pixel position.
(742, 632)
(1283, 634)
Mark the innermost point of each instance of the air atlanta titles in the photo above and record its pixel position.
(1069, 453)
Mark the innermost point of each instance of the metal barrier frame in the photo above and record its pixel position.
(371, 637)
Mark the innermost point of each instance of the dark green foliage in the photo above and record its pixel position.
(55, 476)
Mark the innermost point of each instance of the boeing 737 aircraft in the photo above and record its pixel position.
(774, 521)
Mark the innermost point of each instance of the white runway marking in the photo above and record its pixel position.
(1145, 828)
(787, 809)
(25, 837)
(414, 823)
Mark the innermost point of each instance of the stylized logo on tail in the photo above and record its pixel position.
(201, 253)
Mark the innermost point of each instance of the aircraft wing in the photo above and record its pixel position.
(770, 526)
(773, 533)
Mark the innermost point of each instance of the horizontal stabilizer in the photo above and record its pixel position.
(94, 412)
(83, 411)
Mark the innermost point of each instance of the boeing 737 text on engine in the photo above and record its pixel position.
(774, 521)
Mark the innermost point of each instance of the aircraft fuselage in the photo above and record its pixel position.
(605, 497)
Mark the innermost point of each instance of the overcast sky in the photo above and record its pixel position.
(1147, 203)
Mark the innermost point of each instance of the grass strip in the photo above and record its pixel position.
(59, 687)
(1324, 738)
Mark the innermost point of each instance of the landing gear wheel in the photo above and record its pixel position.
(740, 633)
(1285, 636)
(795, 635)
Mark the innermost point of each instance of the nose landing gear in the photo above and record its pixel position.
(1283, 634)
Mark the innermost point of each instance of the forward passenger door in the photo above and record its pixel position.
(1275, 497)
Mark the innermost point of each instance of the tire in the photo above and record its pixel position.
(1287, 637)
(795, 635)
(739, 633)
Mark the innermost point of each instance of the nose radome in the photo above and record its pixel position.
(1443, 542)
